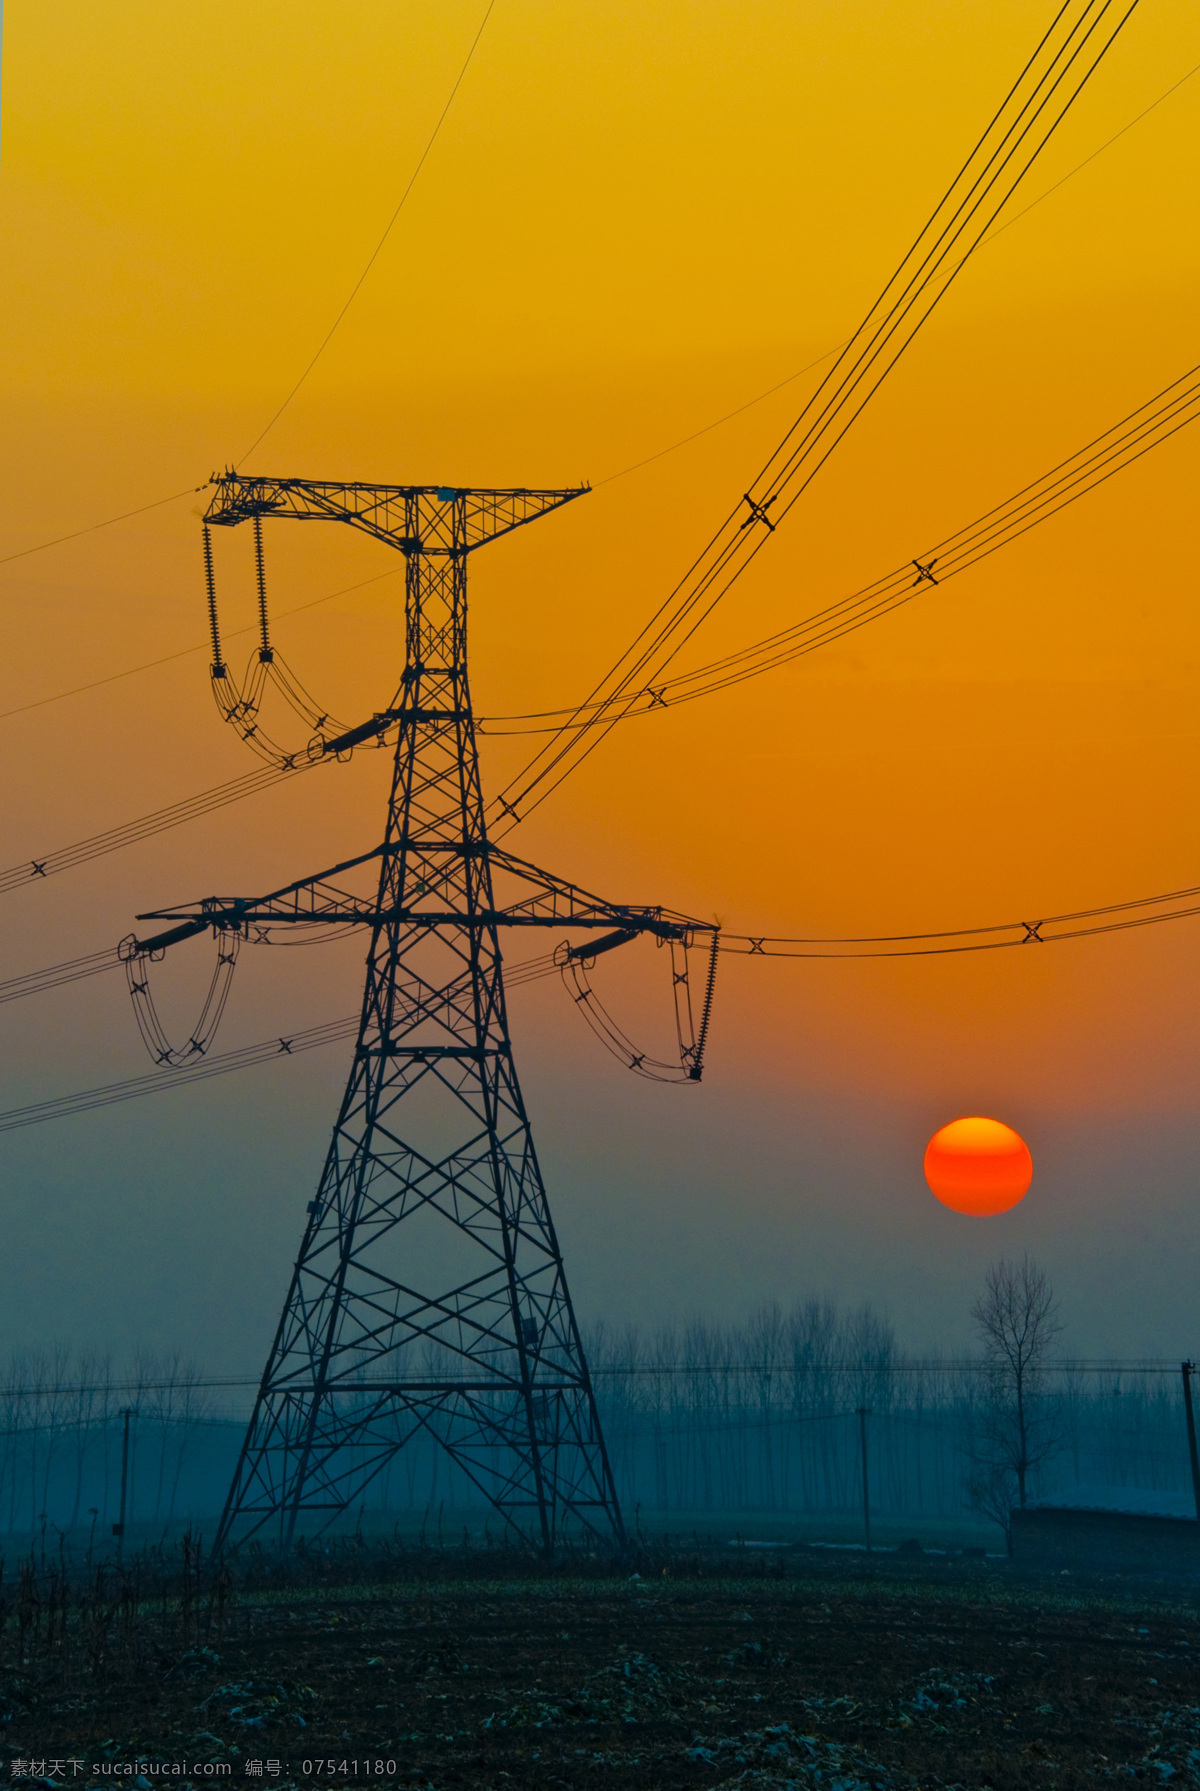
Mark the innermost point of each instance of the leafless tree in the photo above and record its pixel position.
(1016, 1429)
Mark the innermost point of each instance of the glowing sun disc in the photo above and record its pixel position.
(978, 1166)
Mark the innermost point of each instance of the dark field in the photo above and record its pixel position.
(818, 1671)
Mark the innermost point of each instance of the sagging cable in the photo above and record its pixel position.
(574, 961)
(240, 704)
(137, 957)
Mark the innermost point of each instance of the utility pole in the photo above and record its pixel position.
(429, 1296)
(119, 1528)
(1188, 1369)
(864, 1412)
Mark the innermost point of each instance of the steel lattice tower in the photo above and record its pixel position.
(429, 1292)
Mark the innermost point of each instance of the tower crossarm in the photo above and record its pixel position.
(318, 901)
(556, 902)
(421, 519)
(313, 899)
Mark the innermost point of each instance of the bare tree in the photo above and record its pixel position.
(1016, 1430)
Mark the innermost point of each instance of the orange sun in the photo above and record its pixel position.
(978, 1166)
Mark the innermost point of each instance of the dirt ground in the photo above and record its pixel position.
(840, 1674)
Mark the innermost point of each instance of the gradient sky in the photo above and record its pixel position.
(634, 220)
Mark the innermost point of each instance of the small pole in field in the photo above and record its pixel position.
(119, 1528)
(864, 1412)
(1188, 1369)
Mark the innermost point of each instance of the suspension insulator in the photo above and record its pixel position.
(265, 655)
(217, 668)
(696, 1069)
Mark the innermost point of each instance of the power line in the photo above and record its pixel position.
(1071, 479)
(1114, 918)
(36, 982)
(777, 1371)
(375, 253)
(106, 524)
(180, 812)
(637, 465)
(685, 441)
(1088, 160)
(1117, 917)
(129, 833)
(1118, 448)
(201, 1068)
(133, 1087)
(1023, 124)
(186, 652)
(609, 478)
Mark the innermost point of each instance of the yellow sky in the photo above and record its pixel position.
(635, 219)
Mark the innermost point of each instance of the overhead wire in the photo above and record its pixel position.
(1000, 159)
(1112, 918)
(1111, 452)
(783, 1371)
(190, 807)
(802, 461)
(732, 668)
(200, 646)
(1116, 449)
(36, 982)
(54, 976)
(58, 540)
(129, 833)
(761, 397)
(154, 1034)
(91, 528)
(240, 701)
(690, 1037)
(609, 478)
(378, 249)
(197, 1070)
(200, 1068)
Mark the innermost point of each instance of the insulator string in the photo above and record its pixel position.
(210, 585)
(240, 705)
(260, 574)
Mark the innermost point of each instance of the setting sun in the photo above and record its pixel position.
(978, 1166)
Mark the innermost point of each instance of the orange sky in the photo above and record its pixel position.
(633, 221)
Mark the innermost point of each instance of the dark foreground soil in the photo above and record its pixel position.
(842, 1676)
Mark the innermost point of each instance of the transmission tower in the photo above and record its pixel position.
(429, 1293)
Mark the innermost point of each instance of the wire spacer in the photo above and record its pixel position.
(758, 513)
